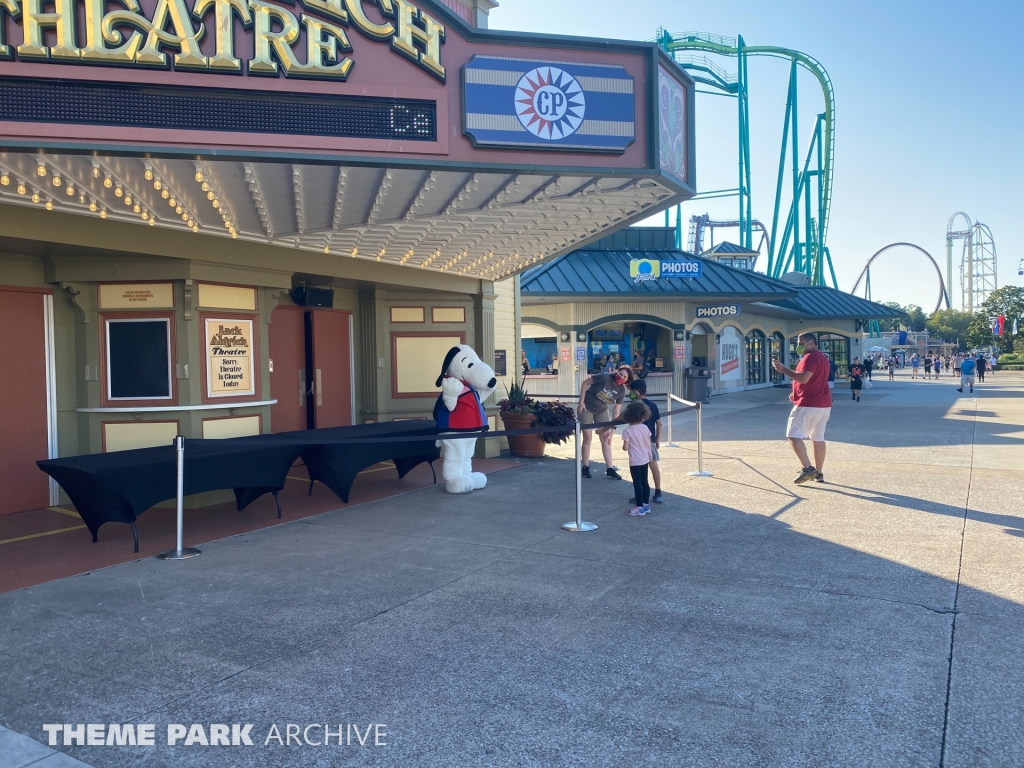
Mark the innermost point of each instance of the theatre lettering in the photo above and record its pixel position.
(173, 32)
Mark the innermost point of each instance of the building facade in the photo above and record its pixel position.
(221, 219)
(595, 308)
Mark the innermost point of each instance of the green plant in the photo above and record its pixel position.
(518, 400)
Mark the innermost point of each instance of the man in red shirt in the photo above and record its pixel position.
(812, 405)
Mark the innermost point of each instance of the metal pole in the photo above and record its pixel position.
(180, 553)
(578, 524)
(668, 402)
(700, 449)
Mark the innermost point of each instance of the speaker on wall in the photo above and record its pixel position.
(313, 297)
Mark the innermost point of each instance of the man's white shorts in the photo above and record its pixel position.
(966, 381)
(807, 423)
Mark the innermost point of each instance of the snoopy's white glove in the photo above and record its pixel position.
(450, 391)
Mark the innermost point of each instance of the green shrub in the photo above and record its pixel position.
(1009, 359)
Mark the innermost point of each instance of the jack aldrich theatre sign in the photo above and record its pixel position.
(53, 54)
(172, 32)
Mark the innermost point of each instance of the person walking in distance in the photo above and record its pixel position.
(869, 364)
(654, 425)
(981, 365)
(601, 397)
(915, 363)
(927, 366)
(967, 368)
(812, 405)
(856, 377)
(636, 440)
(891, 363)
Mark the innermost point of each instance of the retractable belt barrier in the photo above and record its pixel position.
(180, 552)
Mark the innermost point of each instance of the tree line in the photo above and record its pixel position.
(971, 330)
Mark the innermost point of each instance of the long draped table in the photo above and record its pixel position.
(119, 486)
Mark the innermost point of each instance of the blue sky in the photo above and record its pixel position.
(929, 117)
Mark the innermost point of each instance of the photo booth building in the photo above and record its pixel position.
(221, 218)
(587, 311)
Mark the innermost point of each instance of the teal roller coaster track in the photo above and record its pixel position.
(801, 245)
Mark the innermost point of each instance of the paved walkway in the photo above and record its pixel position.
(874, 620)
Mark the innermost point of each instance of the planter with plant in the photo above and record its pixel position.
(520, 411)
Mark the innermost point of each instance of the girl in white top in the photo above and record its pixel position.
(636, 440)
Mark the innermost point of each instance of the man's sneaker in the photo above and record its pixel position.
(819, 477)
(585, 472)
(611, 474)
(657, 498)
(805, 475)
(635, 512)
(647, 509)
(959, 389)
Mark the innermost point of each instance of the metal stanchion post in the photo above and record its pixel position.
(181, 552)
(668, 407)
(579, 525)
(700, 449)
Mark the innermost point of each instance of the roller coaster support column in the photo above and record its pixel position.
(746, 213)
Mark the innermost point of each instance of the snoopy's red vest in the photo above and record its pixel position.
(468, 415)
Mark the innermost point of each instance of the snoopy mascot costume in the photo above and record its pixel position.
(465, 382)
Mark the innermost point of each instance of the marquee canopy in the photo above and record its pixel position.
(388, 131)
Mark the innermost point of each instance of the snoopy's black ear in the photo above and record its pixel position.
(447, 361)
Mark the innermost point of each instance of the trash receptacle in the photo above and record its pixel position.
(695, 384)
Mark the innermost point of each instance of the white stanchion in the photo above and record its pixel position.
(668, 407)
(700, 449)
(578, 525)
(181, 552)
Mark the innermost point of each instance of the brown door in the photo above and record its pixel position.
(332, 371)
(288, 374)
(23, 394)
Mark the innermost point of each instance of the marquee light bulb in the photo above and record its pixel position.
(157, 184)
(216, 203)
(195, 228)
(205, 187)
(49, 205)
(145, 215)
(127, 199)
(103, 213)
(165, 194)
(35, 197)
(118, 191)
(210, 195)
(56, 180)
(355, 252)
(107, 181)
(81, 199)
(137, 208)
(199, 175)
(41, 169)
(70, 190)
(149, 174)
(92, 206)
(21, 189)
(152, 221)
(234, 235)
(178, 209)
(327, 249)
(5, 179)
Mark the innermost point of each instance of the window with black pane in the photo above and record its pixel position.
(756, 344)
(139, 358)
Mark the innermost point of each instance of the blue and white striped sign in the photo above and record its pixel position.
(550, 104)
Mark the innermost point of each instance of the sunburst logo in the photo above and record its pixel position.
(550, 103)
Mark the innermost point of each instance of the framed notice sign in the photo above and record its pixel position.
(229, 357)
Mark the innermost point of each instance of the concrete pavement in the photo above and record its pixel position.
(872, 620)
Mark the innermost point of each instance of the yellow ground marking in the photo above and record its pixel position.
(67, 512)
(37, 535)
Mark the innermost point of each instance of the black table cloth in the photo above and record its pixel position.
(119, 486)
